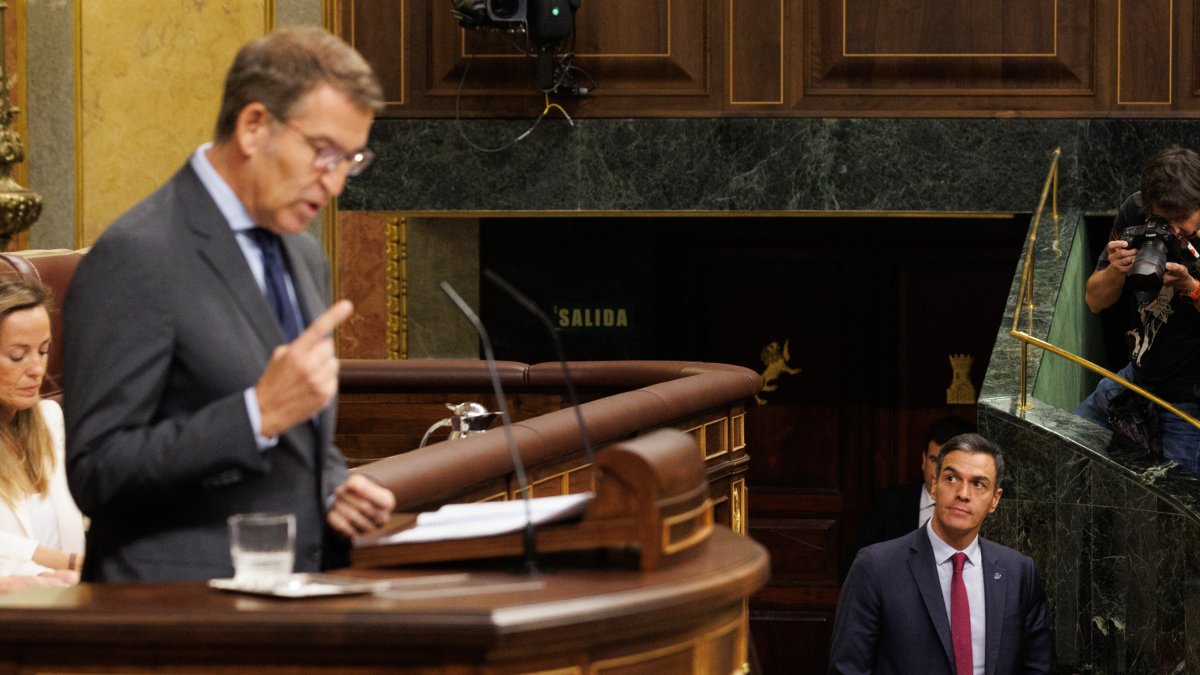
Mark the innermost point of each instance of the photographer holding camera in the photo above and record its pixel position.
(1152, 253)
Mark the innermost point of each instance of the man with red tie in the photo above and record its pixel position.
(942, 599)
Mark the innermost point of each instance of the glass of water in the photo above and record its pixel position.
(262, 546)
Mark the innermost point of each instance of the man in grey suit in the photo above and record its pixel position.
(199, 369)
(942, 599)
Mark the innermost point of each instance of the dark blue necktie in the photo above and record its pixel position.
(276, 281)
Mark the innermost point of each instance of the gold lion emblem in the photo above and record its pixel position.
(775, 359)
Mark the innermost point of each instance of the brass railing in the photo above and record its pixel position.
(1025, 301)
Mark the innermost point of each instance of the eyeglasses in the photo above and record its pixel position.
(327, 157)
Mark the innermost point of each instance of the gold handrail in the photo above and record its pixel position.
(1025, 298)
(1025, 289)
(1027, 339)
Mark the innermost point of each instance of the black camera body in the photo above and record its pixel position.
(1156, 246)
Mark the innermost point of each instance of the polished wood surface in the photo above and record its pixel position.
(702, 58)
(577, 616)
(384, 407)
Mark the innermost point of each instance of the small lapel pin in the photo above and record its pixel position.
(997, 576)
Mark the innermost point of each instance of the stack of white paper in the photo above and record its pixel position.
(482, 519)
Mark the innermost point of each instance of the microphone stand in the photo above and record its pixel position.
(530, 564)
(533, 309)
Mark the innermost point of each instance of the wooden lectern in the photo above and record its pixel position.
(683, 612)
(651, 497)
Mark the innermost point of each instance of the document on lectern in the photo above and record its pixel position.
(483, 519)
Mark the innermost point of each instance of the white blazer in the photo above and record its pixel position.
(16, 546)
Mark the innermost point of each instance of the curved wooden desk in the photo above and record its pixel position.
(686, 618)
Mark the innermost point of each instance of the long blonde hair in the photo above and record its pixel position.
(26, 449)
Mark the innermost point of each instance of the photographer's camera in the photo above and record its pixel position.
(1156, 246)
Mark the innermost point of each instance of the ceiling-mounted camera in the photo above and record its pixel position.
(545, 23)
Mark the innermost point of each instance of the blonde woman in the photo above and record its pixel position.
(41, 529)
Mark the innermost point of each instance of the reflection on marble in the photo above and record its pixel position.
(1112, 529)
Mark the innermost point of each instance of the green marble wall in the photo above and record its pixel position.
(743, 164)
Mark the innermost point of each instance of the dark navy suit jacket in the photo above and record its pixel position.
(164, 329)
(891, 617)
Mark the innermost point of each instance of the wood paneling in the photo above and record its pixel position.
(939, 48)
(756, 57)
(1145, 49)
(377, 29)
(917, 28)
(624, 50)
(652, 58)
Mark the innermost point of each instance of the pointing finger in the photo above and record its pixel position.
(324, 324)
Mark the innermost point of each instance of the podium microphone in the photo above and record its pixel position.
(533, 309)
(530, 535)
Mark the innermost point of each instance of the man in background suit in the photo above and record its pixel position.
(900, 509)
(199, 368)
(942, 599)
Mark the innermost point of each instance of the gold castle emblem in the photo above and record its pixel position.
(961, 390)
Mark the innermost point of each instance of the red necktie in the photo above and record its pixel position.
(960, 619)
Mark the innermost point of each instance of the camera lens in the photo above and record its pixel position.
(504, 9)
(1146, 275)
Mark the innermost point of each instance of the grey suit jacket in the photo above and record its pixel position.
(891, 617)
(164, 330)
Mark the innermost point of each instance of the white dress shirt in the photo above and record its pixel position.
(973, 580)
(925, 510)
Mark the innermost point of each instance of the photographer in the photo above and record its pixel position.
(1164, 343)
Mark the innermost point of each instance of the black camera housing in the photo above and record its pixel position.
(1156, 246)
(547, 22)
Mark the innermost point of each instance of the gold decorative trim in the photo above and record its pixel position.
(644, 657)
(330, 238)
(1170, 62)
(396, 288)
(20, 93)
(697, 434)
(885, 55)
(736, 628)
(737, 506)
(563, 478)
(732, 436)
(723, 434)
(700, 647)
(981, 215)
(77, 76)
(782, 69)
(268, 16)
(744, 636)
(330, 16)
(705, 514)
